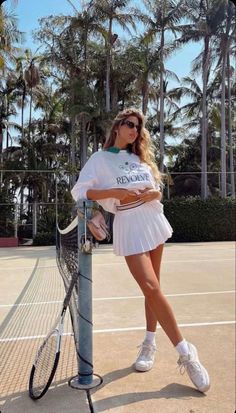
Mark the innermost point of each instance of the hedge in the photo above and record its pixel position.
(44, 238)
(197, 220)
(192, 219)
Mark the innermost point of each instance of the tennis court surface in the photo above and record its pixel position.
(199, 281)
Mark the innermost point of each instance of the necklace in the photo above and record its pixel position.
(115, 149)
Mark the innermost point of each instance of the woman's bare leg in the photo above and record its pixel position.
(141, 267)
(156, 255)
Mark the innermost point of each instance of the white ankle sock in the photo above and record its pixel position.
(182, 348)
(151, 337)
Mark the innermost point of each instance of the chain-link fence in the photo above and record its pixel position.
(33, 202)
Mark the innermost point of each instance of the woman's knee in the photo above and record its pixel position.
(151, 289)
(143, 272)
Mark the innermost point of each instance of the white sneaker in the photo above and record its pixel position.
(146, 357)
(197, 373)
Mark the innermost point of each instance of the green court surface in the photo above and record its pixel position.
(199, 282)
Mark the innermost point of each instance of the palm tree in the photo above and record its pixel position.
(192, 109)
(165, 16)
(8, 98)
(84, 23)
(194, 32)
(145, 64)
(32, 78)
(73, 6)
(226, 37)
(205, 23)
(9, 37)
(63, 58)
(230, 71)
(21, 86)
(110, 11)
(189, 114)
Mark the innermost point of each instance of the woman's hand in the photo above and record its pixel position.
(122, 194)
(148, 195)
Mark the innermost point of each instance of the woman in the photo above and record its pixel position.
(124, 180)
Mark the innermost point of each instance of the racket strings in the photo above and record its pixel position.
(45, 364)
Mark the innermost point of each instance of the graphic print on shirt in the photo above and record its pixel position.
(132, 172)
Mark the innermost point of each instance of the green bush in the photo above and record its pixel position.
(197, 220)
(25, 231)
(6, 214)
(192, 219)
(44, 238)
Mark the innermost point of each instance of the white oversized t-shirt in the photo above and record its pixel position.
(106, 170)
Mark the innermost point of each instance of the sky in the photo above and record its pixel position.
(28, 12)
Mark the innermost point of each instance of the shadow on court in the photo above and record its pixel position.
(60, 399)
(20, 299)
(173, 391)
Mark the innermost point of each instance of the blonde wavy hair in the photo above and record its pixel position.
(142, 146)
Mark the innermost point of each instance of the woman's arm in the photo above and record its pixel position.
(118, 193)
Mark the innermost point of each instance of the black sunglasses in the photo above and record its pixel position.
(131, 125)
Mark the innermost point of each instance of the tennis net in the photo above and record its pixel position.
(74, 256)
(67, 262)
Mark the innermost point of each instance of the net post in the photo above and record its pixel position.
(85, 303)
(86, 379)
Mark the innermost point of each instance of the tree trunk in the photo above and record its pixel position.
(73, 134)
(1, 138)
(30, 111)
(22, 199)
(1, 150)
(222, 133)
(84, 139)
(114, 97)
(95, 140)
(34, 218)
(204, 120)
(85, 67)
(162, 137)
(231, 151)
(72, 150)
(22, 112)
(7, 128)
(108, 71)
(83, 144)
(145, 92)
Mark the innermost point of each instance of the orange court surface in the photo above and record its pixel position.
(199, 282)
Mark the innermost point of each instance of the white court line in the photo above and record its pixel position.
(27, 268)
(8, 340)
(166, 295)
(116, 330)
(174, 261)
(119, 263)
(28, 304)
(134, 297)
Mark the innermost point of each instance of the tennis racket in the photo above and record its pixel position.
(47, 358)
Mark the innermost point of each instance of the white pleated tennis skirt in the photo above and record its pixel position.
(139, 227)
